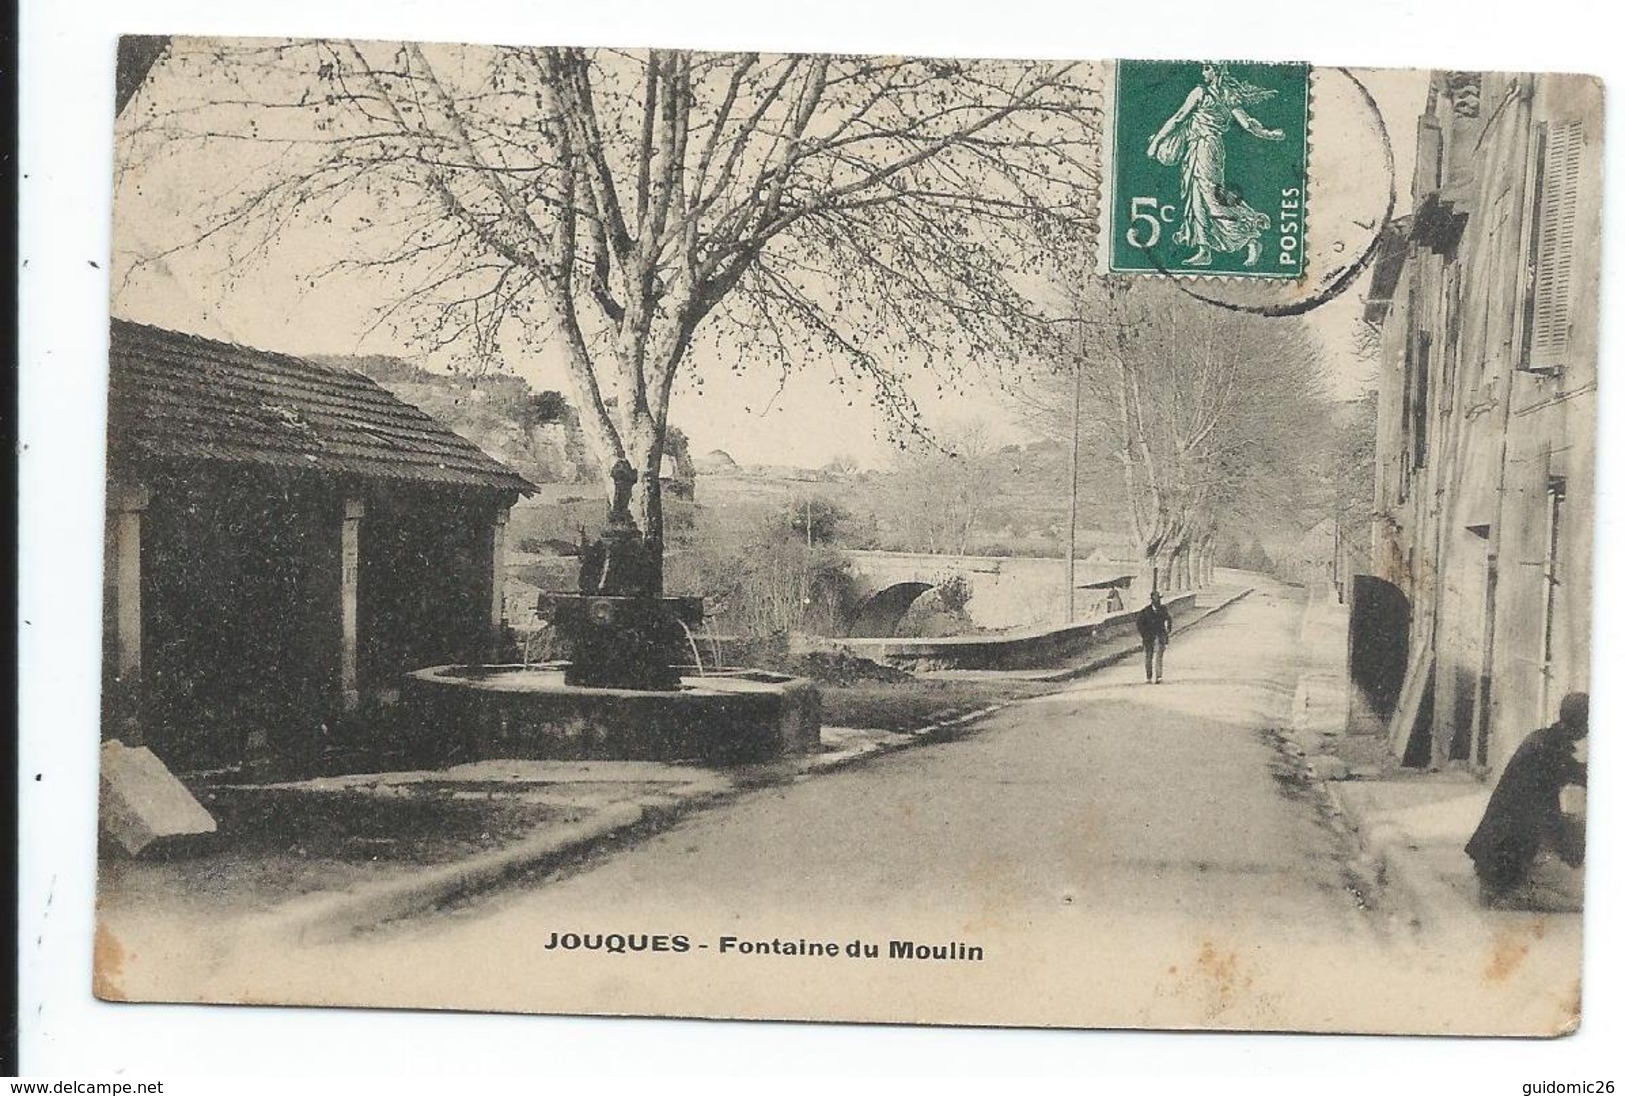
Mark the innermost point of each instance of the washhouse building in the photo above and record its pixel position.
(283, 541)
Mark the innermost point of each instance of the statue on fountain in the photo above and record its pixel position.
(620, 563)
(621, 632)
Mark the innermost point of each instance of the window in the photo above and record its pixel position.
(1422, 379)
(1558, 149)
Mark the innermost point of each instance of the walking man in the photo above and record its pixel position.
(1156, 626)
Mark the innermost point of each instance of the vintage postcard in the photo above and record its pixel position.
(893, 539)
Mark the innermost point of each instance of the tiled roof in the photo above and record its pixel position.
(178, 397)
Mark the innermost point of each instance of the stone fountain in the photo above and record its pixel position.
(622, 633)
(633, 688)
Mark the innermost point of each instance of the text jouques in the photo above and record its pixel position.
(628, 943)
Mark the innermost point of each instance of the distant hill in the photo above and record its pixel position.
(717, 460)
(537, 434)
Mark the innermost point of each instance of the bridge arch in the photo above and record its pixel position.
(878, 617)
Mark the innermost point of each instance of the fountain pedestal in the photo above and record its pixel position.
(621, 632)
(624, 642)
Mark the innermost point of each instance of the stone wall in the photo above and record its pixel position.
(1006, 591)
(1486, 416)
(1021, 649)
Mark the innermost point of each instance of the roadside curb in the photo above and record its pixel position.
(1225, 604)
(1404, 890)
(331, 917)
(1416, 890)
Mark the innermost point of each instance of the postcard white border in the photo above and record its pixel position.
(67, 63)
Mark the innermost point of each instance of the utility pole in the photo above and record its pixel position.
(1072, 522)
(806, 559)
(1337, 550)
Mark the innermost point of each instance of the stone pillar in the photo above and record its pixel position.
(499, 553)
(349, 575)
(125, 505)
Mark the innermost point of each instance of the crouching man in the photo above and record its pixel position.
(1525, 817)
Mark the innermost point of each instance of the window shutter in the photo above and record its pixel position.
(1554, 247)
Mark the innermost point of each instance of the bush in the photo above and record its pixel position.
(825, 517)
(764, 589)
(953, 593)
(542, 408)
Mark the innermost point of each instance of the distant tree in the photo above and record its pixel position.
(544, 408)
(379, 367)
(1254, 558)
(938, 494)
(823, 516)
(1212, 417)
(771, 584)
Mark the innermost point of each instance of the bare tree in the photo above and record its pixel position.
(867, 213)
(938, 493)
(1209, 415)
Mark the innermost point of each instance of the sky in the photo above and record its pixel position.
(759, 417)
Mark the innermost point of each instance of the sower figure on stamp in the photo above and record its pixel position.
(1525, 817)
(1156, 627)
(1215, 217)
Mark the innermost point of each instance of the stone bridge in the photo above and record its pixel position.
(1005, 591)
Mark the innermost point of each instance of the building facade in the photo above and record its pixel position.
(284, 540)
(1487, 298)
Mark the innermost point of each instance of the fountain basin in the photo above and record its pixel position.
(725, 717)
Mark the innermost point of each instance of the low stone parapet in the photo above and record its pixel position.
(1017, 649)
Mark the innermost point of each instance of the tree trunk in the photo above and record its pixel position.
(646, 455)
(1162, 570)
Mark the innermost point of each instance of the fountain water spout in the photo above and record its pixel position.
(699, 664)
(531, 637)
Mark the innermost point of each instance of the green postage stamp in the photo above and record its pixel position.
(1209, 169)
